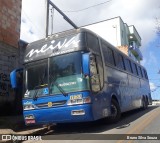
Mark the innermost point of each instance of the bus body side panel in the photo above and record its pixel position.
(117, 85)
(101, 105)
(145, 89)
(127, 88)
(134, 91)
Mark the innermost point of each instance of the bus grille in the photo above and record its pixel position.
(57, 103)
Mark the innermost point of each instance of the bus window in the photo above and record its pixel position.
(100, 69)
(139, 71)
(95, 81)
(92, 42)
(134, 68)
(94, 46)
(119, 61)
(143, 73)
(146, 76)
(128, 65)
(108, 56)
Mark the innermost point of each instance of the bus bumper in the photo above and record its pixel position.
(80, 113)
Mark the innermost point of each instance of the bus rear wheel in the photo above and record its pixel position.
(115, 112)
(145, 103)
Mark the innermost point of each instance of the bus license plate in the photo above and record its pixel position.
(30, 121)
(74, 97)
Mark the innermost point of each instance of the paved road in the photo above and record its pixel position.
(131, 123)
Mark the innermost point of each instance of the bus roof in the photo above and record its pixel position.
(59, 43)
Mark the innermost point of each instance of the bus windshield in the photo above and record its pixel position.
(65, 72)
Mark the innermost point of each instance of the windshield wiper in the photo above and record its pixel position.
(56, 84)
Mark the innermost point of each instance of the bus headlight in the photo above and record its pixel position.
(79, 101)
(28, 107)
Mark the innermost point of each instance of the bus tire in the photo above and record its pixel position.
(144, 103)
(115, 112)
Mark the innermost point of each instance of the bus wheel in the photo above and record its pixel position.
(115, 111)
(144, 103)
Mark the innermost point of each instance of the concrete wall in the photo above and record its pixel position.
(112, 30)
(109, 30)
(8, 61)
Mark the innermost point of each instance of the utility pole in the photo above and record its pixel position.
(47, 17)
(49, 2)
(52, 16)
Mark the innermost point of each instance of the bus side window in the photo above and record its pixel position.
(146, 76)
(108, 54)
(94, 46)
(92, 43)
(134, 68)
(119, 61)
(143, 73)
(128, 65)
(139, 71)
(100, 69)
(95, 80)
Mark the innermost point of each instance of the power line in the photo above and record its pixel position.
(88, 7)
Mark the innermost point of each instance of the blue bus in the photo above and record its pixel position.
(76, 76)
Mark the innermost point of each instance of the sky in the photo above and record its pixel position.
(140, 13)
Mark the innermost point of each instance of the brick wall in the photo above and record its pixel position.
(124, 49)
(10, 19)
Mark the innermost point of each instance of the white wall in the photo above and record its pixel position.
(111, 31)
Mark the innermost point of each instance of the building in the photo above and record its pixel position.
(119, 34)
(10, 46)
(156, 102)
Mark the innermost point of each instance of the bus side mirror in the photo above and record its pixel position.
(16, 77)
(85, 64)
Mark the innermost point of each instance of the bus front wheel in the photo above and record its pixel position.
(115, 111)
